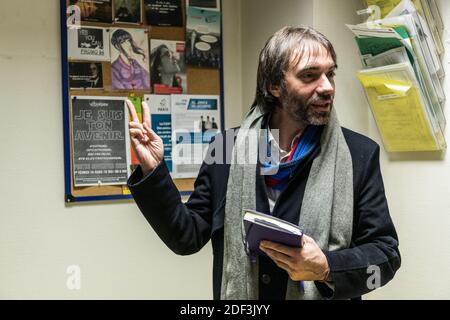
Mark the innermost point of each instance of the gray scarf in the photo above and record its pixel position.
(326, 213)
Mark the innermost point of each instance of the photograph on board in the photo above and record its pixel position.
(130, 59)
(94, 10)
(167, 67)
(127, 11)
(85, 75)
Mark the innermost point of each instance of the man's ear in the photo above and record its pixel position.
(275, 91)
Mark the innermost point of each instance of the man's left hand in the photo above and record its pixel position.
(307, 263)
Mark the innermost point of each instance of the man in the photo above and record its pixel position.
(95, 80)
(327, 180)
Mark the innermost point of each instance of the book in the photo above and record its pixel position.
(259, 226)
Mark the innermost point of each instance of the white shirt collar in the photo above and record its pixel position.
(274, 143)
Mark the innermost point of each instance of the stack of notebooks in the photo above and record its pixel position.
(401, 55)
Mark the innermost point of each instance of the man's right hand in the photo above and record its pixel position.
(147, 145)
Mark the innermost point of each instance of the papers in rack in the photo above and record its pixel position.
(401, 57)
(405, 120)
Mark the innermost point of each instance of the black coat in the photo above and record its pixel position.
(186, 228)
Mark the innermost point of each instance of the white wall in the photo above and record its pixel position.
(232, 37)
(330, 19)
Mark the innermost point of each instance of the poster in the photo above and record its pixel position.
(195, 121)
(85, 75)
(203, 38)
(127, 11)
(94, 10)
(100, 141)
(168, 70)
(164, 13)
(137, 103)
(88, 43)
(130, 59)
(161, 122)
(205, 4)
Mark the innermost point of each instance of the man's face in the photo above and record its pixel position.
(309, 88)
(94, 70)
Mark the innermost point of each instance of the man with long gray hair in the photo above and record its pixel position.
(325, 178)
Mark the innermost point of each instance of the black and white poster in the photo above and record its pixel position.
(94, 10)
(127, 11)
(164, 13)
(88, 43)
(100, 141)
(85, 75)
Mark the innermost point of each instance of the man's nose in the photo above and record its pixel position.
(325, 87)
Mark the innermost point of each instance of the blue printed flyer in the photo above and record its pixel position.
(195, 121)
(161, 122)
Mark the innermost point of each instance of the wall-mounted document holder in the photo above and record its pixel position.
(402, 76)
(405, 121)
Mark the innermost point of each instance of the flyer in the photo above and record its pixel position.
(100, 141)
(137, 103)
(195, 121)
(164, 13)
(168, 70)
(130, 59)
(203, 38)
(94, 10)
(161, 122)
(85, 75)
(88, 43)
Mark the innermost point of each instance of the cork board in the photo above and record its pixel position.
(201, 81)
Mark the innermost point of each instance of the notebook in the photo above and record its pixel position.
(259, 226)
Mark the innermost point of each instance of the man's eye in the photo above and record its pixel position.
(331, 74)
(308, 76)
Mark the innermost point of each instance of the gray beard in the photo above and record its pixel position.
(304, 112)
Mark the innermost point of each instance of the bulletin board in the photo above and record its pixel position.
(200, 81)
